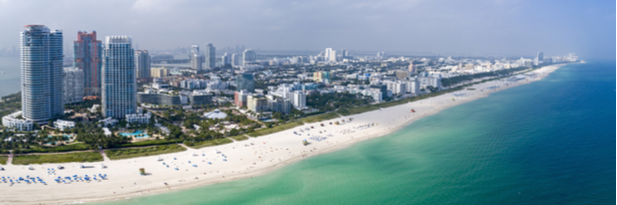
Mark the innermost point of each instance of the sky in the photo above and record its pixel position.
(439, 27)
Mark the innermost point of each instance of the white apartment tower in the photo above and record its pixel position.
(195, 58)
(299, 100)
(119, 96)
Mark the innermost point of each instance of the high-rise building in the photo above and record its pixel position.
(540, 56)
(196, 60)
(245, 81)
(299, 100)
(236, 59)
(226, 59)
(142, 65)
(328, 54)
(119, 87)
(248, 56)
(41, 73)
(210, 56)
(73, 86)
(240, 98)
(87, 57)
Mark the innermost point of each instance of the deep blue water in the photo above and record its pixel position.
(547, 142)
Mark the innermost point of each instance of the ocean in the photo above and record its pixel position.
(11, 78)
(547, 142)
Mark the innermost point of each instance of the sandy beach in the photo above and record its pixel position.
(237, 160)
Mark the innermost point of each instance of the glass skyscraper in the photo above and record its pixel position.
(142, 65)
(87, 57)
(41, 73)
(210, 56)
(245, 81)
(119, 86)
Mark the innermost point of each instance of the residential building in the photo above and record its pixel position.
(161, 99)
(63, 125)
(299, 100)
(200, 99)
(196, 60)
(245, 81)
(193, 84)
(159, 72)
(435, 82)
(108, 122)
(139, 118)
(226, 59)
(87, 56)
(401, 74)
(73, 86)
(210, 56)
(16, 122)
(119, 86)
(280, 105)
(411, 68)
(248, 56)
(240, 98)
(236, 59)
(142, 65)
(256, 103)
(322, 77)
(41, 73)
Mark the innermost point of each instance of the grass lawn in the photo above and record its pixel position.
(239, 137)
(3, 159)
(58, 158)
(77, 146)
(146, 143)
(209, 143)
(320, 117)
(275, 129)
(143, 151)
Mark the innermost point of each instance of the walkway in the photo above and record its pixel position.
(105, 158)
(10, 160)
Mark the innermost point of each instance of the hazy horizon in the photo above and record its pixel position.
(497, 27)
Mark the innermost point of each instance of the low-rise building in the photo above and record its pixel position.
(63, 125)
(16, 122)
(197, 98)
(108, 122)
(161, 99)
(215, 114)
(140, 118)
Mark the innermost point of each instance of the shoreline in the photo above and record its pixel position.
(125, 182)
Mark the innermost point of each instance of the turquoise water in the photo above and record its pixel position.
(134, 134)
(48, 136)
(547, 142)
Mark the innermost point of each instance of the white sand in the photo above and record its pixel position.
(243, 159)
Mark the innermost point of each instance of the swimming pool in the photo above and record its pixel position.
(137, 134)
(67, 137)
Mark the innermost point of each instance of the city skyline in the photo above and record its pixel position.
(396, 26)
